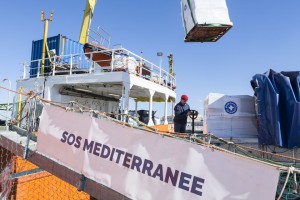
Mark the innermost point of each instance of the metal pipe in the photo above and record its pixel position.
(44, 46)
(166, 109)
(160, 54)
(7, 106)
(45, 38)
(71, 64)
(19, 105)
(136, 107)
(24, 70)
(38, 70)
(31, 105)
(112, 60)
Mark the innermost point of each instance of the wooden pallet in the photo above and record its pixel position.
(206, 33)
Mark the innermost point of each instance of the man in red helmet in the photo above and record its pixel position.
(182, 110)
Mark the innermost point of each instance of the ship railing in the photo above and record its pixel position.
(116, 60)
(99, 36)
(148, 70)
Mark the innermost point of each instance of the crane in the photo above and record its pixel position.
(203, 20)
(86, 22)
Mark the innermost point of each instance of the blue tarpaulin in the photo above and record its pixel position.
(278, 108)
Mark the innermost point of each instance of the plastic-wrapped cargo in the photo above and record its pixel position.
(126, 63)
(230, 116)
(62, 46)
(205, 20)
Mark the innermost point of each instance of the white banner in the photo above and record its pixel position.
(142, 165)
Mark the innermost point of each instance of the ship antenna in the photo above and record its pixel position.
(45, 46)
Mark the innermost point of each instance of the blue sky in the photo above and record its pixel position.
(265, 35)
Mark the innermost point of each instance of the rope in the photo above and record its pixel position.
(17, 92)
(270, 153)
(290, 170)
(152, 130)
(199, 139)
(254, 149)
(170, 134)
(184, 136)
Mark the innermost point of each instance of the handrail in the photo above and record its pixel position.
(86, 63)
(146, 61)
(99, 33)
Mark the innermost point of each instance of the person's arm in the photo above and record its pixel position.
(179, 114)
(188, 110)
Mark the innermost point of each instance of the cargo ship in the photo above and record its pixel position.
(73, 134)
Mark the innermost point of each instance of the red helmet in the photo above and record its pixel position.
(184, 97)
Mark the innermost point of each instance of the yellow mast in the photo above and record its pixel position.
(45, 38)
(20, 105)
(86, 22)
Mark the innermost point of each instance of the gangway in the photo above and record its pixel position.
(15, 143)
(115, 156)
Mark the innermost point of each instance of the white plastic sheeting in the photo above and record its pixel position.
(204, 12)
(230, 116)
(125, 62)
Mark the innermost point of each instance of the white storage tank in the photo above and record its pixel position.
(205, 20)
(230, 116)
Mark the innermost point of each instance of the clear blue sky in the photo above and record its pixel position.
(265, 35)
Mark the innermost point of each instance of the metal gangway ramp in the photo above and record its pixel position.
(64, 161)
(40, 167)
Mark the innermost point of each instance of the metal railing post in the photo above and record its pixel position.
(38, 69)
(160, 75)
(91, 62)
(54, 66)
(141, 68)
(19, 106)
(71, 64)
(31, 105)
(151, 72)
(24, 70)
(112, 60)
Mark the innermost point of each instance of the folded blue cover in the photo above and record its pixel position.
(278, 108)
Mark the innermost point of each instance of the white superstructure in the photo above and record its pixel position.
(104, 85)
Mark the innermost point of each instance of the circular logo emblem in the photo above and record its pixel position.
(231, 107)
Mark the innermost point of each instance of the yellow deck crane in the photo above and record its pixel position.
(86, 22)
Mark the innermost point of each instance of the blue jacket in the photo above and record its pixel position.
(181, 112)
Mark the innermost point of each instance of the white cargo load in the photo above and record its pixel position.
(125, 62)
(230, 116)
(205, 20)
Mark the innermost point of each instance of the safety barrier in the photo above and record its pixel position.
(104, 61)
